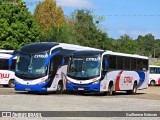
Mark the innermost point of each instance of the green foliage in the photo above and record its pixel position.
(17, 25)
(86, 30)
(59, 34)
(126, 44)
(146, 44)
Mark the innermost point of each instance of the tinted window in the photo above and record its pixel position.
(139, 64)
(4, 64)
(155, 70)
(119, 62)
(103, 63)
(145, 64)
(112, 62)
(127, 63)
(133, 64)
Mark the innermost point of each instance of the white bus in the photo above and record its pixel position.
(6, 72)
(154, 75)
(106, 71)
(41, 67)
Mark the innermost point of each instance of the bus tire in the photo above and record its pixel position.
(59, 87)
(110, 89)
(11, 84)
(134, 90)
(152, 83)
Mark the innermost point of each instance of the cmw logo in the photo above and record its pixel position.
(4, 75)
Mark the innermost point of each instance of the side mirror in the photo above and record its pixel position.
(106, 62)
(63, 61)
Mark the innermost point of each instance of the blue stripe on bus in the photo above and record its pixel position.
(87, 88)
(37, 87)
(142, 78)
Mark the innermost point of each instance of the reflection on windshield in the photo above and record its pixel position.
(31, 64)
(84, 67)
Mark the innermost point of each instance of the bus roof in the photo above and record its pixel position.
(6, 51)
(126, 55)
(38, 47)
(5, 56)
(46, 46)
(84, 53)
(96, 52)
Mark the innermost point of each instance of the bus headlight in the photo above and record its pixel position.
(42, 80)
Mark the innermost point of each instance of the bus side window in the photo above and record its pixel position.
(13, 65)
(112, 62)
(145, 64)
(120, 63)
(158, 70)
(153, 70)
(104, 68)
(127, 63)
(139, 64)
(4, 64)
(133, 64)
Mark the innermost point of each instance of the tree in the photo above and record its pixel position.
(48, 15)
(126, 45)
(86, 30)
(17, 25)
(146, 44)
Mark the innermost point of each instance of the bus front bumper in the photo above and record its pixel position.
(85, 88)
(32, 88)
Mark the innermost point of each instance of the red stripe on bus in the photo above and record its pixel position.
(159, 82)
(117, 87)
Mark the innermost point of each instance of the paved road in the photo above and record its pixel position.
(144, 100)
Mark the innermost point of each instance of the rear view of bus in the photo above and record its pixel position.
(106, 71)
(7, 72)
(154, 75)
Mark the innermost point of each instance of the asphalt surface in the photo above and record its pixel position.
(144, 100)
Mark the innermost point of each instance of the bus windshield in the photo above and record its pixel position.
(84, 68)
(31, 65)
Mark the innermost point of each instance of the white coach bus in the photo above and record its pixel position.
(6, 72)
(41, 67)
(106, 71)
(154, 75)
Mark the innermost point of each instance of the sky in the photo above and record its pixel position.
(131, 17)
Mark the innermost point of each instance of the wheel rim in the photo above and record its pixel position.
(134, 89)
(110, 90)
(11, 84)
(152, 83)
(59, 88)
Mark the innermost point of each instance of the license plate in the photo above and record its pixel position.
(80, 88)
(27, 89)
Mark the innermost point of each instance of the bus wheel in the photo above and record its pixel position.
(152, 83)
(60, 88)
(110, 89)
(134, 90)
(11, 84)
